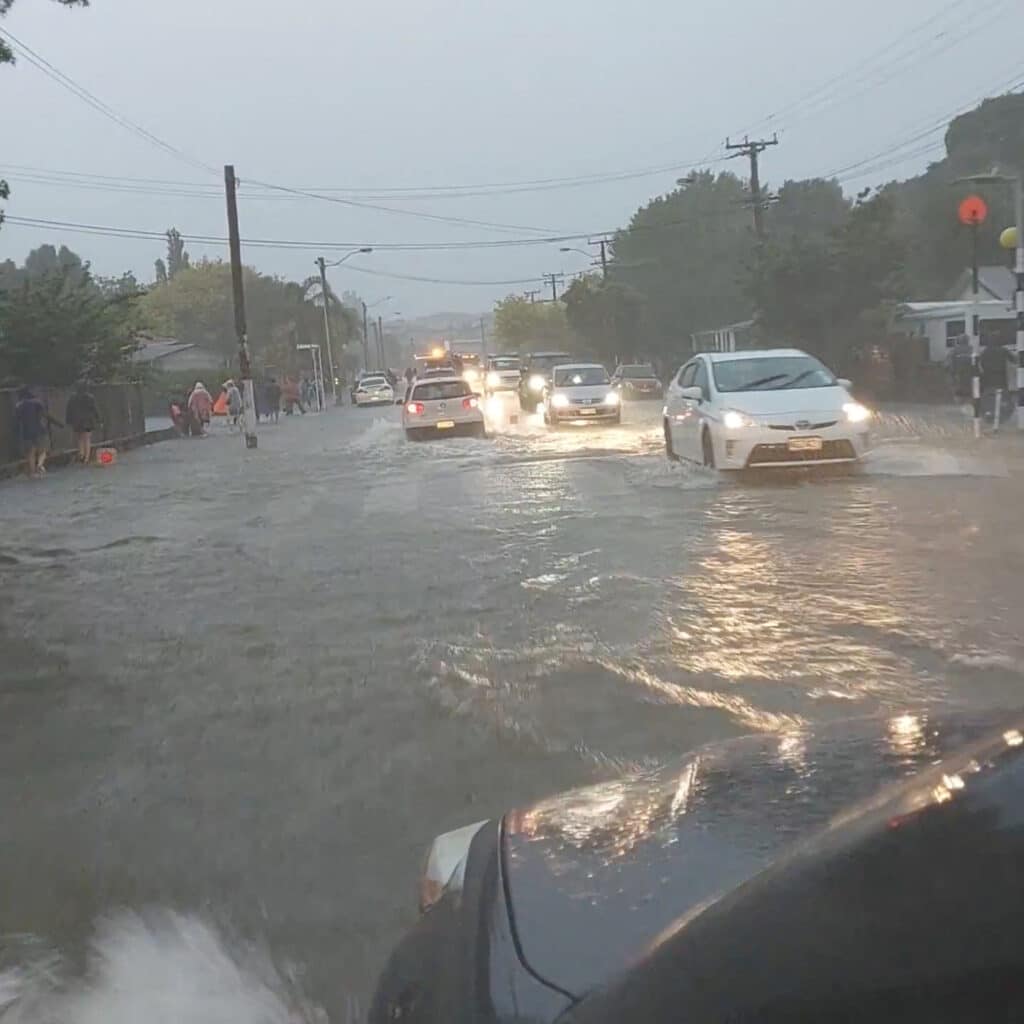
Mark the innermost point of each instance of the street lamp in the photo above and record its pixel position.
(366, 331)
(582, 252)
(325, 293)
(1017, 182)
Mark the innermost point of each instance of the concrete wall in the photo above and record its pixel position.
(120, 406)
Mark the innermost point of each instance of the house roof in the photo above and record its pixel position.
(992, 308)
(999, 282)
(152, 349)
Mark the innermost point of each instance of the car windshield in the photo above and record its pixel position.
(372, 382)
(770, 373)
(580, 376)
(504, 363)
(440, 390)
(640, 372)
(542, 364)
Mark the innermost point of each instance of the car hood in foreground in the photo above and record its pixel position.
(786, 400)
(595, 875)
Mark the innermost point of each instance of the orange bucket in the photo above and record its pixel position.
(106, 456)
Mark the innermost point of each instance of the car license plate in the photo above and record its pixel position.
(445, 424)
(588, 412)
(805, 444)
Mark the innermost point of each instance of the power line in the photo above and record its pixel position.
(870, 72)
(83, 94)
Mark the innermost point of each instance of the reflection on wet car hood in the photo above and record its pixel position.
(596, 874)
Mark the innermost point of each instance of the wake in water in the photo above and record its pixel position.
(155, 968)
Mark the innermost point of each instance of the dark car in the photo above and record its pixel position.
(637, 380)
(868, 871)
(536, 375)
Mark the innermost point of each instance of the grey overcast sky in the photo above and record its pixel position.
(383, 94)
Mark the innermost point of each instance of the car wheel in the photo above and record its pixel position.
(480, 430)
(708, 449)
(617, 422)
(412, 434)
(670, 452)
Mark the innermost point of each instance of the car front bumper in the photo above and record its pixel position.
(761, 447)
(585, 414)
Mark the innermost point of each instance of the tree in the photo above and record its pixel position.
(58, 324)
(822, 294)
(523, 325)
(177, 258)
(606, 316)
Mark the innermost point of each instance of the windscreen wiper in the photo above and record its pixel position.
(764, 380)
(796, 380)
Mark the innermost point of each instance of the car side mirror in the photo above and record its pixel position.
(844, 383)
(695, 394)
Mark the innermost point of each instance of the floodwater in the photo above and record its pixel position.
(242, 691)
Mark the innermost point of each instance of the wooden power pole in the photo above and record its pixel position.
(752, 149)
(238, 293)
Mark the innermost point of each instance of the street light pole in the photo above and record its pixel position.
(327, 328)
(325, 294)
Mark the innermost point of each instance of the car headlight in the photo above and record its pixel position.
(493, 380)
(537, 382)
(612, 398)
(855, 412)
(733, 420)
(470, 375)
(559, 401)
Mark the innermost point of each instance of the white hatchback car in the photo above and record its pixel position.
(757, 409)
(374, 391)
(444, 405)
(580, 393)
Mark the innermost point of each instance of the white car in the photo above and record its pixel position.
(503, 375)
(444, 405)
(374, 391)
(756, 409)
(580, 393)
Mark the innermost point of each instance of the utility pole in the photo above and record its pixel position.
(603, 243)
(366, 340)
(553, 280)
(327, 326)
(483, 337)
(532, 296)
(238, 294)
(380, 342)
(752, 149)
(1018, 299)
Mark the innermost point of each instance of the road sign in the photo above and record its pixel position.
(972, 210)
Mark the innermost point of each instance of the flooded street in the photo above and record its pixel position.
(251, 688)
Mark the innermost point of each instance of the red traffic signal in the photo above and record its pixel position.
(972, 210)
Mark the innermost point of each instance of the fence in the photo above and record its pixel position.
(120, 408)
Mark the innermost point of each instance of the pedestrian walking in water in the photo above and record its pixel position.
(32, 431)
(234, 400)
(292, 397)
(273, 399)
(200, 406)
(83, 417)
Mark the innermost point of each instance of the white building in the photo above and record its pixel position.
(945, 322)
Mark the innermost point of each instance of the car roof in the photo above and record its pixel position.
(451, 379)
(530, 355)
(580, 366)
(754, 353)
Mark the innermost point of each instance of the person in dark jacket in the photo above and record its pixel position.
(83, 417)
(32, 431)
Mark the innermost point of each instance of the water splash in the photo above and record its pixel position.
(159, 967)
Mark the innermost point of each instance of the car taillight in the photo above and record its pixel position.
(414, 408)
(470, 403)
